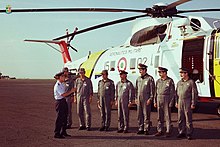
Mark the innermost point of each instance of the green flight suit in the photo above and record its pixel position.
(186, 95)
(83, 91)
(164, 98)
(106, 94)
(124, 94)
(145, 88)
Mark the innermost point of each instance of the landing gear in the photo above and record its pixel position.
(218, 110)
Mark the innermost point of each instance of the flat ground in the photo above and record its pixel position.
(27, 117)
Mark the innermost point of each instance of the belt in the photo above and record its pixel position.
(59, 100)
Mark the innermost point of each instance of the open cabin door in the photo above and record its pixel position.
(192, 57)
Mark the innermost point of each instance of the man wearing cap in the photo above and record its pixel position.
(186, 97)
(123, 97)
(106, 94)
(60, 94)
(84, 93)
(69, 81)
(163, 101)
(145, 88)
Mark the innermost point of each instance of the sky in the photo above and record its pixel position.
(38, 61)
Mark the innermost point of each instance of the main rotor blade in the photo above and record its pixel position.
(102, 25)
(180, 16)
(199, 10)
(75, 10)
(44, 41)
(174, 4)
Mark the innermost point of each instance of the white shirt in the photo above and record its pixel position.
(59, 89)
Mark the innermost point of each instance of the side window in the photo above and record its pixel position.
(156, 61)
(106, 66)
(112, 66)
(149, 35)
(132, 63)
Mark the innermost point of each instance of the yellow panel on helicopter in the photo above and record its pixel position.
(89, 64)
(217, 66)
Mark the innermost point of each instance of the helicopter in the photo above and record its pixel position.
(163, 37)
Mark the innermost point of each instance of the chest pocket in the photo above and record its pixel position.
(107, 86)
(80, 85)
(187, 88)
(145, 85)
(123, 89)
(166, 88)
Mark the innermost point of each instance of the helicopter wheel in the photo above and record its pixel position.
(218, 110)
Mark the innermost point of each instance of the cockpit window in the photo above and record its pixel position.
(149, 35)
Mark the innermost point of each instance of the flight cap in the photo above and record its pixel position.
(142, 66)
(183, 69)
(122, 72)
(65, 69)
(163, 69)
(82, 70)
(58, 75)
(104, 72)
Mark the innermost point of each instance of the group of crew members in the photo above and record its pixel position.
(163, 95)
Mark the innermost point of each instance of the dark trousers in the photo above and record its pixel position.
(61, 121)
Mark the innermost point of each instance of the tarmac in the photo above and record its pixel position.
(27, 117)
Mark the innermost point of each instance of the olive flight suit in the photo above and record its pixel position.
(145, 88)
(186, 95)
(106, 94)
(69, 85)
(84, 90)
(124, 95)
(164, 98)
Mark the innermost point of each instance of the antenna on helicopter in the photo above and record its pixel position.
(90, 52)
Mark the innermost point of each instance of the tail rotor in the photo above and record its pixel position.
(71, 38)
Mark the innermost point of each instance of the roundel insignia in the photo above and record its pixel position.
(122, 64)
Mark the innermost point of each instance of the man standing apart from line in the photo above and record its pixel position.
(60, 94)
(163, 101)
(123, 97)
(84, 93)
(186, 97)
(106, 94)
(145, 88)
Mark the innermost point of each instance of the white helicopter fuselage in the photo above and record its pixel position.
(161, 42)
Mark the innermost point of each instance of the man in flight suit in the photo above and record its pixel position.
(69, 85)
(163, 101)
(145, 88)
(60, 94)
(186, 97)
(84, 93)
(123, 97)
(106, 94)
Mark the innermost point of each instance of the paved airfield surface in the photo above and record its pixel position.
(27, 117)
